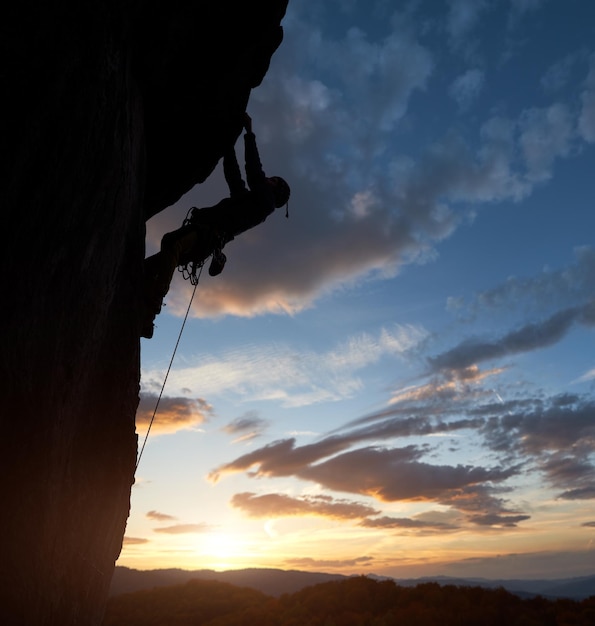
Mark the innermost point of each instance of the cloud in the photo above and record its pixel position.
(280, 458)
(463, 16)
(134, 541)
(589, 524)
(532, 336)
(281, 505)
(292, 377)
(387, 474)
(173, 414)
(247, 427)
(561, 423)
(406, 523)
(392, 474)
(581, 493)
(558, 75)
(573, 284)
(160, 517)
(508, 521)
(573, 474)
(586, 123)
(466, 88)
(317, 564)
(518, 8)
(557, 435)
(590, 375)
(452, 384)
(552, 436)
(184, 529)
(546, 134)
(524, 6)
(284, 458)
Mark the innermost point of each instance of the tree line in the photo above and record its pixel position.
(357, 601)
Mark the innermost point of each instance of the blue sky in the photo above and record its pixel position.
(399, 378)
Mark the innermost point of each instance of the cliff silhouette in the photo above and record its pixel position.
(113, 110)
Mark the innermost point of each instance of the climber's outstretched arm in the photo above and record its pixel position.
(254, 173)
(232, 173)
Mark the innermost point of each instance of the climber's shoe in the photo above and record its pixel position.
(217, 263)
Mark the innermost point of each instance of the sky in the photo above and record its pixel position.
(399, 378)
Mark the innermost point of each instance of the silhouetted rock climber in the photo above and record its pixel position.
(208, 229)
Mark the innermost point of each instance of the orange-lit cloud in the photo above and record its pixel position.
(406, 523)
(160, 517)
(183, 529)
(247, 427)
(449, 385)
(173, 414)
(508, 521)
(393, 474)
(310, 563)
(281, 505)
(133, 541)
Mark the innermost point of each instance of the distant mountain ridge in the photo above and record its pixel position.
(276, 582)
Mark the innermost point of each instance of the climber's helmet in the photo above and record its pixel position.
(281, 190)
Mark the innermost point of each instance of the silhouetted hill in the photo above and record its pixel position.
(275, 582)
(578, 588)
(573, 588)
(353, 601)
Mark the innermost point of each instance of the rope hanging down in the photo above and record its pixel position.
(195, 283)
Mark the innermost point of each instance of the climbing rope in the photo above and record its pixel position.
(195, 283)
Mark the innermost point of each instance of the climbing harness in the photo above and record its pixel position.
(190, 269)
(194, 278)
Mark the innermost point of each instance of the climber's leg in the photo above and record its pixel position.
(159, 271)
(174, 247)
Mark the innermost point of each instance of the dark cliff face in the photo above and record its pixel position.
(114, 110)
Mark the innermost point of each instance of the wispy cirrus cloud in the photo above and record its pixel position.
(590, 375)
(292, 377)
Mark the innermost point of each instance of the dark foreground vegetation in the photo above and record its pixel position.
(357, 601)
